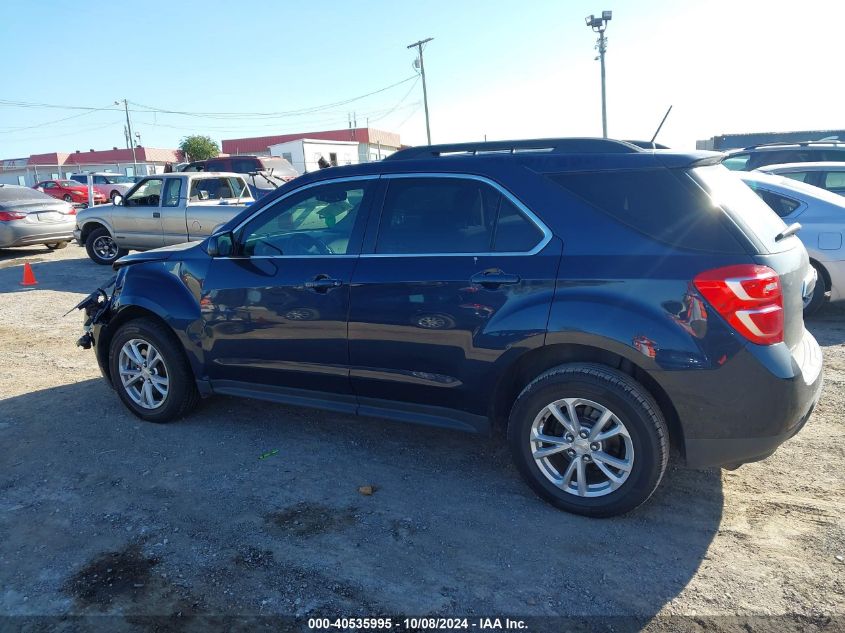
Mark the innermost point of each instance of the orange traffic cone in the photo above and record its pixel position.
(28, 276)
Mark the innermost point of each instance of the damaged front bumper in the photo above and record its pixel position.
(96, 306)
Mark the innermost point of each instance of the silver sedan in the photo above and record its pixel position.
(822, 218)
(29, 217)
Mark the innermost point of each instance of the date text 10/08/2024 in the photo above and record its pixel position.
(416, 624)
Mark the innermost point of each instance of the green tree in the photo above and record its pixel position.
(196, 147)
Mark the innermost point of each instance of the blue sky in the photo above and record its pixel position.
(501, 68)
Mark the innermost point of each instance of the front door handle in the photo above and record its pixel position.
(323, 283)
(156, 214)
(494, 277)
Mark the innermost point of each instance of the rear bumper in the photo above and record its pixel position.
(34, 234)
(742, 411)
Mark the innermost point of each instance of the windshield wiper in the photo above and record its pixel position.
(792, 229)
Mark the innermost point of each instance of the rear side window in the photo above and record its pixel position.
(835, 180)
(753, 215)
(79, 178)
(781, 205)
(245, 165)
(451, 215)
(665, 205)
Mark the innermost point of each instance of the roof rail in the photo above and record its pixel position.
(799, 143)
(540, 145)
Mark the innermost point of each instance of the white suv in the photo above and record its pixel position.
(109, 183)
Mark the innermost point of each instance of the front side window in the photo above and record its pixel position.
(451, 215)
(245, 165)
(148, 194)
(319, 221)
(172, 189)
(800, 176)
(216, 165)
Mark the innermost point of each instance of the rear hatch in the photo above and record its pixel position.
(762, 226)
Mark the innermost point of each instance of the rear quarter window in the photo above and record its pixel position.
(666, 205)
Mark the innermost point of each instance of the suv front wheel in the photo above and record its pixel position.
(589, 439)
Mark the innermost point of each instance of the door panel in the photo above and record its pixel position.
(275, 314)
(436, 328)
(137, 223)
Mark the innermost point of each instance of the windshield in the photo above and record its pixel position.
(67, 183)
(117, 179)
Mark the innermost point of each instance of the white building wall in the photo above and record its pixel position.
(36, 173)
(304, 154)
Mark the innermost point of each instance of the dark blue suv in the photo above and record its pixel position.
(596, 301)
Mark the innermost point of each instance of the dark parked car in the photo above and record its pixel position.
(758, 156)
(264, 174)
(595, 300)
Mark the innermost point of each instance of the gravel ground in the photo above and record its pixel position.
(102, 514)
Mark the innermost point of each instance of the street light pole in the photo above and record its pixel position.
(599, 24)
(131, 140)
(419, 46)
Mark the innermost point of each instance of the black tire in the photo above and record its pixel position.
(67, 197)
(182, 395)
(819, 294)
(632, 405)
(94, 252)
(55, 246)
(113, 195)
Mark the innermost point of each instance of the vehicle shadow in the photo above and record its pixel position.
(62, 275)
(245, 500)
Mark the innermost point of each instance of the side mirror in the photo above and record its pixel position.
(220, 245)
(118, 200)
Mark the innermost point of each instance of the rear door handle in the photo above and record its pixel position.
(494, 277)
(156, 214)
(323, 283)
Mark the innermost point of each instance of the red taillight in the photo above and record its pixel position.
(8, 216)
(749, 297)
(71, 211)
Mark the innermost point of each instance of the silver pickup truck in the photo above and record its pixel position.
(161, 210)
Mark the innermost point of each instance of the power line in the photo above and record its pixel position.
(280, 114)
(46, 123)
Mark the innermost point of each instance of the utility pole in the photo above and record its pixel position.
(419, 46)
(131, 139)
(599, 24)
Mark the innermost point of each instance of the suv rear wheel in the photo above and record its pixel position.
(589, 439)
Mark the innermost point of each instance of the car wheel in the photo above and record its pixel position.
(150, 372)
(589, 439)
(67, 198)
(819, 294)
(101, 247)
(54, 246)
(113, 195)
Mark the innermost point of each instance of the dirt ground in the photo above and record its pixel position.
(102, 514)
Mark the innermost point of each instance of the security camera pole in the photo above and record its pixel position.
(419, 46)
(599, 24)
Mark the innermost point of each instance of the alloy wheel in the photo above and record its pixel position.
(582, 447)
(143, 373)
